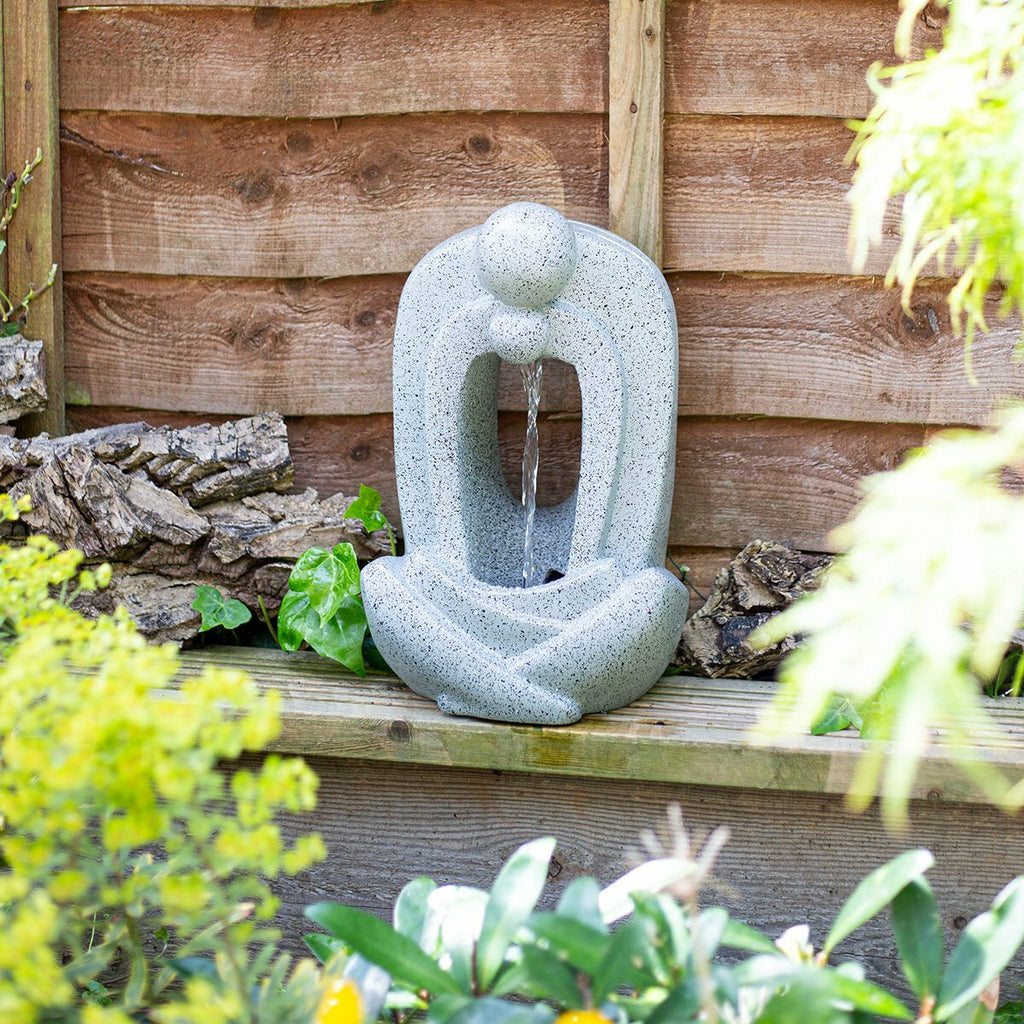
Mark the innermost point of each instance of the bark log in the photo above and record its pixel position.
(762, 580)
(170, 509)
(22, 380)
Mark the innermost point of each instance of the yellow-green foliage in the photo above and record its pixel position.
(917, 613)
(123, 847)
(947, 133)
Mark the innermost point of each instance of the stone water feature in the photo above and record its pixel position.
(452, 616)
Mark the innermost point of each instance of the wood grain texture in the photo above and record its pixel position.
(760, 194)
(409, 56)
(636, 94)
(176, 195)
(770, 345)
(791, 858)
(30, 119)
(685, 730)
(781, 57)
(835, 347)
(737, 480)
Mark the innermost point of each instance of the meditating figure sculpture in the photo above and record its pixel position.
(452, 616)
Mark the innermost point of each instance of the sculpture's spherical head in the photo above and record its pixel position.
(525, 255)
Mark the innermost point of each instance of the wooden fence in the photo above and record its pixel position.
(244, 189)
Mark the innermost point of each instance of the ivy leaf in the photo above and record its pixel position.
(840, 713)
(9, 329)
(366, 508)
(216, 611)
(340, 638)
(326, 578)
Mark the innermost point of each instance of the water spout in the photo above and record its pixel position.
(532, 374)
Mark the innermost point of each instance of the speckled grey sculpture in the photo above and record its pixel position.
(452, 616)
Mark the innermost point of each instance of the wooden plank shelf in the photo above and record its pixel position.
(406, 790)
(686, 730)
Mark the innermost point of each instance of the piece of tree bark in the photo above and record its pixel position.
(22, 378)
(762, 580)
(140, 498)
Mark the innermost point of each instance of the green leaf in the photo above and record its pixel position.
(366, 508)
(538, 975)
(738, 935)
(981, 1010)
(513, 896)
(216, 611)
(866, 996)
(195, 967)
(987, 945)
(875, 891)
(379, 943)
(840, 713)
(9, 329)
(327, 578)
(917, 929)
(674, 939)
(710, 928)
(496, 1011)
(580, 902)
(572, 941)
(323, 947)
(455, 915)
(341, 638)
(627, 961)
(411, 908)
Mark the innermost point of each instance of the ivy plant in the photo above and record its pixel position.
(323, 606)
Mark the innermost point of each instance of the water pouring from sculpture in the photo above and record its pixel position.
(533, 375)
(452, 616)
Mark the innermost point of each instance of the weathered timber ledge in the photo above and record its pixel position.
(686, 730)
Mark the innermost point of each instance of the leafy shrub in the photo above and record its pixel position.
(132, 879)
(464, 956)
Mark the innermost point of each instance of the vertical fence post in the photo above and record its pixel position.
(31, 122)
(636, 100)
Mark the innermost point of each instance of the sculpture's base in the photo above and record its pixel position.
(592, 641)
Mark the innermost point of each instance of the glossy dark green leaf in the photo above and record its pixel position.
(580, 902)
(489, 1010)
(539, 975)
(628, 960)
(670, 923)
(411, 907)
(9, 329)
(379, 943)
(987, 945)
(572, 941)
(323, 947)
(839, 714)
(513, 896)
(215, 610)
(194, 967)
(875, 892)
(327, 578)
(341, 638)
(917, 928)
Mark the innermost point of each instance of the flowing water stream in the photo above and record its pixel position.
(532, 373)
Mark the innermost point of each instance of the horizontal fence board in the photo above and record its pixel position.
(233, 197)
(789, 345)
(780, 56)
(301, 346)
(760, 194)
(835, 348)
(791, 857)
(736, 479)
(352, 59)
